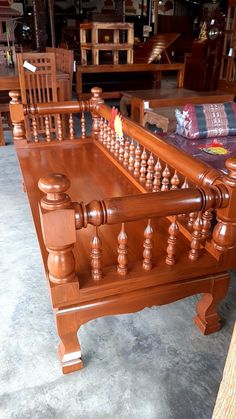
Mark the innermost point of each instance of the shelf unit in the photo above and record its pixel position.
(120, 37)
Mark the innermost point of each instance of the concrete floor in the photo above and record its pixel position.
(153, 364)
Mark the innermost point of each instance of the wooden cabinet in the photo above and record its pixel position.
(228, 69)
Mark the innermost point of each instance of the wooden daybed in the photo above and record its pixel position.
(122, 225)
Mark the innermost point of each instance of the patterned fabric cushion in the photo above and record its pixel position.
(203, 121)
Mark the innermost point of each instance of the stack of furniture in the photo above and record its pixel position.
(119, 36)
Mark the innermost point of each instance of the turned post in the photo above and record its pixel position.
(224, 233)
(18, 119)
(58, 226)
(95, 100)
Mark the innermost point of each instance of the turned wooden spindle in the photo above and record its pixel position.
(137, 161)
(83, 126)
(60, 241)
(207, 217)
(113, 141)
(47, 129)
(185, 185)
(96, 256)
(175, 181)
(95, 100)
(157, 176)
(18, 119)
(59, 128)
(35, 129)
(108, 137)
(131, 156)
(196, 242)
(148, 246)
(143, 166)
(121, 150)
(224, 233)
(117, 147)
(126, 153)
(122, 266)
(150, 172)
(172, 243)
(191, 219)
(104, 139)
(165, 178)
(71, 127)
(101, 130)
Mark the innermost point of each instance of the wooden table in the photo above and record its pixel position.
(142, 100)
(9, 81)
(155, 69)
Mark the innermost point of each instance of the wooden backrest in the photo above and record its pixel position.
(64, 60)
(39, 86)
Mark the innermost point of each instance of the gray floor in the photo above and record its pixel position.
(153, 364)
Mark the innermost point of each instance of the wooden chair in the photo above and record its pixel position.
(5, 124)
(39, 86)
(64, 61)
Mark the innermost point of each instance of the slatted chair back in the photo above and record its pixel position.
(64, 60)
(39, 86)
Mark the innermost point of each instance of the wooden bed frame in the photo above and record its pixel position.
(122, 224)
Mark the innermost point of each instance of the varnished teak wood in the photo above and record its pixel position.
(162, 255)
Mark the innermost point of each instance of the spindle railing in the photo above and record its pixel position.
(57, 205)
(147, 161)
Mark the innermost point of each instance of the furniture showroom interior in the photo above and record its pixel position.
(118, 209)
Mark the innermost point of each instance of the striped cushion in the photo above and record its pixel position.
(203, 121)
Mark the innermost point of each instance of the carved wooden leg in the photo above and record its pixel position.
(69, 348)
(207, 319)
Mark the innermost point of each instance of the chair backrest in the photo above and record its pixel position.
(64, 60)
(39, 86)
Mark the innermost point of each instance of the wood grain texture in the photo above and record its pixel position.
(225, 406)
(108, 244)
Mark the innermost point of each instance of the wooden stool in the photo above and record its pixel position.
(163, 118)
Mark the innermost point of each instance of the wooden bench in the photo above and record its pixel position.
(124, 223)
(110, 71)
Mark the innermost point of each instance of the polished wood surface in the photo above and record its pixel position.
(64, 64)
(9, 80)
(109, 69)
(141, 100)
(124, 224)
(153, 49)
(225, 406)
